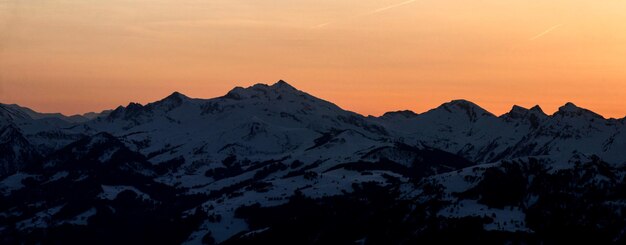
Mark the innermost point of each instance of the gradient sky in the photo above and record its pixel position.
(368, 56)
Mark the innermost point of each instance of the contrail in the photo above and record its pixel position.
(369, 13)
(390, 7)
(323, 24)
(545, 32)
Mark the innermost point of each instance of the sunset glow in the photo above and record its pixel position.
(367, 56)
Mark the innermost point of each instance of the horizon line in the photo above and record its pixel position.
(343, 108)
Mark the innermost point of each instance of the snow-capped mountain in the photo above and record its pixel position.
(196, 171)
(464, 128)
(259, 122)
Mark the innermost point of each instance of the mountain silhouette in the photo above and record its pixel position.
(271, 163)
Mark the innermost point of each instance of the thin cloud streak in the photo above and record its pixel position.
(376, 11)
(545, 32)
(391, 6)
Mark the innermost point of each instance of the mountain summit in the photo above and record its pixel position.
(571, 110)
(263, 91)
(283, 85)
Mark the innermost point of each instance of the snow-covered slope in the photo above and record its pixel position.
(264, 122)
(464, 128)
(258, 122)
(15, 150)
(195, 162)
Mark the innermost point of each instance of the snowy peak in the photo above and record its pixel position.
(537, 109)
(282, 98)
(170, 102)
(175, 97)
(571, 110)
(132, 106)
(282, 85)
(404, 114)
(535, 115)
(471, 110)
(94, 115)
(518, 112)
(132, 110)
(276, 91)
(569, 107)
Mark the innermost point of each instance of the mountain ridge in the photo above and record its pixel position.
(568, 107)
(268, 111)
(196, 165)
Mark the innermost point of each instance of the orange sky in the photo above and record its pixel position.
(368, 56)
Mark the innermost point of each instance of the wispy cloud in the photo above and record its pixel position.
(367, 13)
(390, 7)
(545, 32)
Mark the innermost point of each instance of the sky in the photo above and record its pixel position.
(367, 56)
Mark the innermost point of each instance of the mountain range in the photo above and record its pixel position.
(271, 163)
